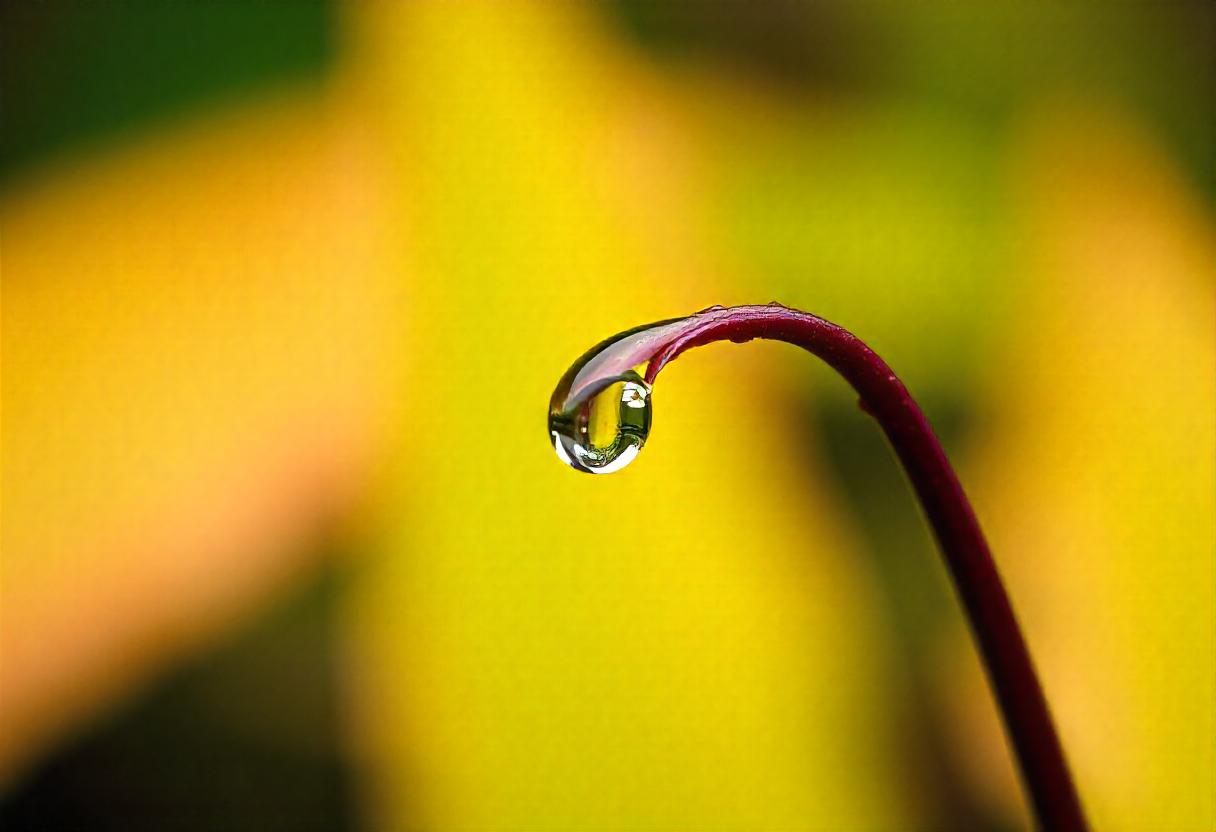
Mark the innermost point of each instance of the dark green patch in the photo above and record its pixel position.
(918, 605)
(73, 73)
(246, 737)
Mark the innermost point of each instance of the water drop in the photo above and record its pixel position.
(600, 413)
(606, 429)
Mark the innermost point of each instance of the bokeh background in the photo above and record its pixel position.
(287, 286)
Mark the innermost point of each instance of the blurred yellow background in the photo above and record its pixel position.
(283, 543)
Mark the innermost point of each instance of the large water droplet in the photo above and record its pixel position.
(599, 416)
(606, 428)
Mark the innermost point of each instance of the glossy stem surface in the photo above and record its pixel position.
(1011, 673)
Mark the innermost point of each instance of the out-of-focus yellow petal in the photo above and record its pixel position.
(193, 354)
(688, 644)
(1097, 477)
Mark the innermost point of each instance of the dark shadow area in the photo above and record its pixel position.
(919, 604)
(246, 737)
(74, 73)
(975, 62)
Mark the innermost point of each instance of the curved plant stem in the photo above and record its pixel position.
(1023, 706)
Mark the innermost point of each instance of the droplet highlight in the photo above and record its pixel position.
(607, 428)
(600, 412)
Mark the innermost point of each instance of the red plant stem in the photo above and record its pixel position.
(1011, 673)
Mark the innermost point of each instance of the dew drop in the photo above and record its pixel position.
(605, 429)
(600, 412)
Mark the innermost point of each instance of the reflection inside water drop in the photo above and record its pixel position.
(604, 430)
(599, 416)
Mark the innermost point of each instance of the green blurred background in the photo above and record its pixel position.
(287, 286)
